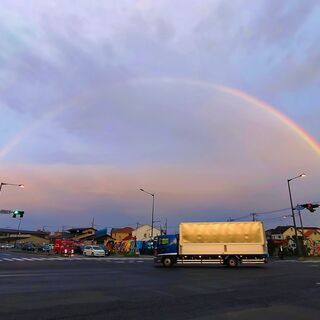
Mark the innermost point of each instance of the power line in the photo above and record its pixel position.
(274, 211)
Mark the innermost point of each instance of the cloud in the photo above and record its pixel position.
(91, 78)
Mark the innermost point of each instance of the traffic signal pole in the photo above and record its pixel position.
(18, 232)
(302, 231)
(294, 220)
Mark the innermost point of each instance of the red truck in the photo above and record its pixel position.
(65, 247)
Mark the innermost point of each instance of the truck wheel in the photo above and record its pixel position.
(232, 262)
(167, 262)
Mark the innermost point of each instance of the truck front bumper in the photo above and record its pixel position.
(157, 259)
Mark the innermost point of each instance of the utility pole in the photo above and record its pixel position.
(254, 215)
(293, 217)
(92, 223)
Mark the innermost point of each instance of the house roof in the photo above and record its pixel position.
(311, 231)
(122, 230)
(77, 230)
(63, 235)
(37, 232)
(32, 232)
(282, 229)
(128, 237)
(147, 225)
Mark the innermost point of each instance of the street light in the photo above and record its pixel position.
(10, 184)
(152, 212)
(292, 210)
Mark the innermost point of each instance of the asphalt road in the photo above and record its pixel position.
(111, 288)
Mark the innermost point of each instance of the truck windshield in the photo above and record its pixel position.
(169, 240)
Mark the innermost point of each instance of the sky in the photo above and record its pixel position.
(210, 105)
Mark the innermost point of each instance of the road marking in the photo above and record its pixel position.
(13, 275)
(107, 260)
(318, 283)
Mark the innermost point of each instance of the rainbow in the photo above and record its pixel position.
(253, 101)
(309, 139)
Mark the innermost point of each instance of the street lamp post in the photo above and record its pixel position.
(152, 211)
(292, 211)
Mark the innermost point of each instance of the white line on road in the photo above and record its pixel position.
(14, 275)
(107, 260)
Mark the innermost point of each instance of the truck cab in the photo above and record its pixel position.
(166, 245)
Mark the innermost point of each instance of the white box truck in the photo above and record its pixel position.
(228, 243)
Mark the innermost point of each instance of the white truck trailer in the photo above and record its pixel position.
(228, 243)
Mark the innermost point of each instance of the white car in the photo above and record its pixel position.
(94, 251)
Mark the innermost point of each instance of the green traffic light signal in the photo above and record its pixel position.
(17, 213)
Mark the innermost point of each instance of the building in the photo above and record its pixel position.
(82, 233)
(309, 239)
(282, 233)
(119, 234)
(312, 234)
(143, 232)
(24, 236)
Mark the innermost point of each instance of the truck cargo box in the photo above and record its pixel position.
(225, 238)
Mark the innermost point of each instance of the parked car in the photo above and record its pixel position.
(6, 246)
(29, 247)
(45, 248)
(18, 245)
(94, 251)
(107, 252)
(78, 249)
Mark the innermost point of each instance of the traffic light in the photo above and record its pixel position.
(311, 207)
(17, 213)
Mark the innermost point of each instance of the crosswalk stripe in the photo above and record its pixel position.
(114, 260)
